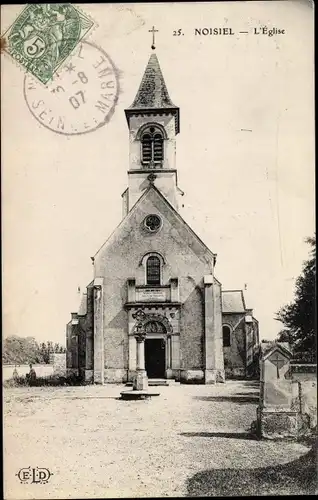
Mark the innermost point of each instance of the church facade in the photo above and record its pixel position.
(154, 266)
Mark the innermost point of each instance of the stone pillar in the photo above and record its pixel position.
(140, 358)
(213, 345)
(175, 352)
(99, 355)
(168, 359)
(132, 357)
(141, 380)
(89, 354)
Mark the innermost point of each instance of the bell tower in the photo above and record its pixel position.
(153, 122)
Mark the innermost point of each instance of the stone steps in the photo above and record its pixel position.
(156, 382)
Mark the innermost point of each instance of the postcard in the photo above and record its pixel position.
(158, 239)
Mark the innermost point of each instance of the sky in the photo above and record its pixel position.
(245, 157)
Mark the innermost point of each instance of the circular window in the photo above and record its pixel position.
(152, 223)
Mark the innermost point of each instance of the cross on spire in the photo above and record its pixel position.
(279, 363)
(153, 31)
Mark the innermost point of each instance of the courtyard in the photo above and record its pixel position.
(191, 440)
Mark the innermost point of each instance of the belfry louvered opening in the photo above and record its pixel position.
(152, 146)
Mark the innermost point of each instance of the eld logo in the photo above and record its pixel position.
(38, 475)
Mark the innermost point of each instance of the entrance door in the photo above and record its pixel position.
(155, 358)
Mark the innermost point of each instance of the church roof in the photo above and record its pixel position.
(233, 301)
(152, 93)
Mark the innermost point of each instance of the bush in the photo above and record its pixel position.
(52, 381)
(15, 382)
(304, 358)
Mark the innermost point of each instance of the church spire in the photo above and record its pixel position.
(153, 122)
(152, 94)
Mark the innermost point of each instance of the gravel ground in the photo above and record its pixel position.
(99, 446)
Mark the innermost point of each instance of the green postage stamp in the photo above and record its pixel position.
(44, 35)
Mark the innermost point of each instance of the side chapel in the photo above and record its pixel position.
(154, 266)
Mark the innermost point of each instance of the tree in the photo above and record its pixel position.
(44, 353)
(285, 335)
(299, 317)
(49, 346)
(24, 350)
(21, 350)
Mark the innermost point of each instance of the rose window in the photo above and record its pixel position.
(152, 223)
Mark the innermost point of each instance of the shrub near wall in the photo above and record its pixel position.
(41, 370)
(52, 381)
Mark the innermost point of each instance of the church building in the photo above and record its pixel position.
(154, 267)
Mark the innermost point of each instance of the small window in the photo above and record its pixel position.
(152, 146)
(226, 336)
(153, 270)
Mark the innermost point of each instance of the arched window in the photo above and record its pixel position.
(153, 270)
(152, 146)
(226, 336)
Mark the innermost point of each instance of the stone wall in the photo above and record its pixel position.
(303, 372)
(306, 375)
(58, 360)
(235, 355)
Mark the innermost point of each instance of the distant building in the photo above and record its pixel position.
(154, 262)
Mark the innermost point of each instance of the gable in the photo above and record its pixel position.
(269, 348)
(179, 229)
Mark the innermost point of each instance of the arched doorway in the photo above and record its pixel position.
(155, 349)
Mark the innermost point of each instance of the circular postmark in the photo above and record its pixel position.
(82, 95)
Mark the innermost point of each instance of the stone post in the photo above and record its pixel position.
(141, 380)
(140, 358)
(279, 410)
